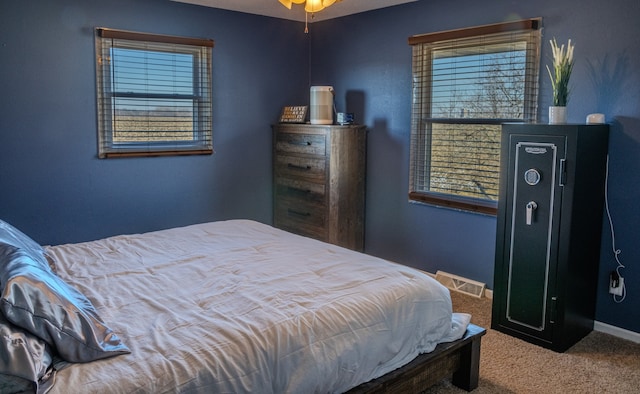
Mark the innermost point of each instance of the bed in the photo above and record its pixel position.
(227, 307)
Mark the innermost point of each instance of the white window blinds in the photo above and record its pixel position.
(465, 84)
(154, 94)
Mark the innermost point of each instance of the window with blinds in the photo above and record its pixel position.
(154, 94)
(466, 83)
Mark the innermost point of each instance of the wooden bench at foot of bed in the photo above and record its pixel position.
(459, 360)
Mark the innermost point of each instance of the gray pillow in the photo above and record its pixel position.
(37, 300)
(12, 236)
(25, 361)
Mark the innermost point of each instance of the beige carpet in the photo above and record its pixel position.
(599, 363)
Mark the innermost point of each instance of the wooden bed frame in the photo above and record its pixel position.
(459, 360)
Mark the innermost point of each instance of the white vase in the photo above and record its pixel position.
(557, 115)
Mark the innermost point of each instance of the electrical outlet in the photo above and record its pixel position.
(617, 290)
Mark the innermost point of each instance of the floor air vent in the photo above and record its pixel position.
(460, 284)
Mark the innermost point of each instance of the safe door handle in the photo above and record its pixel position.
(531, 206)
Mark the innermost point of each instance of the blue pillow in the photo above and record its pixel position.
(35, 299)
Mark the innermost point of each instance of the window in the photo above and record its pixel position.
(465, 84)
(154, 94)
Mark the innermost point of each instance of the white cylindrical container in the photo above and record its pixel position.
(321, 105)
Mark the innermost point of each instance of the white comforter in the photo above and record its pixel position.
(238, 306)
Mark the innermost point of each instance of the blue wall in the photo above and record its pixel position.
(367, 59)
(54, 187)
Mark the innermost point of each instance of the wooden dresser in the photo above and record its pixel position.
(319, 182)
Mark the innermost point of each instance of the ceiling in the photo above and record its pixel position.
(275, 9)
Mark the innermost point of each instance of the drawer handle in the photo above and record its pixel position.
(297, 213)
(296, 142)
(299, 168)
(296, 190)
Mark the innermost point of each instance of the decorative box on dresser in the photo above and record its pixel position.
(319, 182)
(552, 193)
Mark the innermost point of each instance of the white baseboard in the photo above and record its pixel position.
(617, 331)
(597, 326)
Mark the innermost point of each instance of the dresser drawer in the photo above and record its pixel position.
(311, 144)
(311, 168)
(300, 217)
(300, 191)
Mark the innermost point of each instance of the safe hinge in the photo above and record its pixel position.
(563, 171)
(553, 310)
